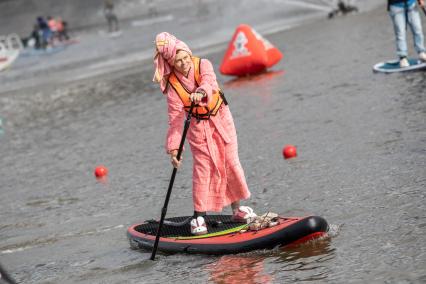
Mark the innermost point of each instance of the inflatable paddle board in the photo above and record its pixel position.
(393, 66)
(224, 235)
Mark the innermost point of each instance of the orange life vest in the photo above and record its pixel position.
(199, 112)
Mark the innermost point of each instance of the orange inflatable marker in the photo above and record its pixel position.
(248, 53)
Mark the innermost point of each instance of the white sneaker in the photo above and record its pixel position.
(403, 62)
(243, 214)
(422, 56)
(198, 226)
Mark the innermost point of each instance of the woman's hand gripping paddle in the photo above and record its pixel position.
(172, 179)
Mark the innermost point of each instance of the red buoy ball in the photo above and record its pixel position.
(289, 151)
(101, 171)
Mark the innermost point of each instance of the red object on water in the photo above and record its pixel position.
(101, 171)
(248, 53)
(289, 151)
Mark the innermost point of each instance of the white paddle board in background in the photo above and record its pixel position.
(393, 66)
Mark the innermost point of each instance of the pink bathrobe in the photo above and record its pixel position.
(218, 178)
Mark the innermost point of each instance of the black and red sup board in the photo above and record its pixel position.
(224, 235)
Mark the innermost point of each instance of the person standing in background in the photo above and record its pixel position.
(152, 10)
(51, 23)
(45, 32)
(62, 29)
(403, 14)
(110, 16)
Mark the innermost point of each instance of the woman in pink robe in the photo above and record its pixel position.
(218, 178)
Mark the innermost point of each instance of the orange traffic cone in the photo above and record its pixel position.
(248, 53)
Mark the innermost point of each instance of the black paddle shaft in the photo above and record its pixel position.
(172, 179)
(5, 276)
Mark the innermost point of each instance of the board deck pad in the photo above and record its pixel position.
(393, 66)
(215, 224)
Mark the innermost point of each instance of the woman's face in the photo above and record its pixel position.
(183, 62)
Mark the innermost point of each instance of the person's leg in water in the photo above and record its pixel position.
(416, 28)
(112, 22)
(64, 31)
(116, 26)
(397, 15)
(109, 19)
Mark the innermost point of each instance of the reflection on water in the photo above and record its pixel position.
(319, 249)
(259, 86)
(259, 79)
(306, 262)
(301, 262)
(239, 269)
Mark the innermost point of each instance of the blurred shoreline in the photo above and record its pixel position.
(38, 85)
(97, 54)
